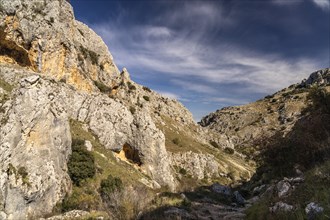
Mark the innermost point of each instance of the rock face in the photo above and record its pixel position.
(44, 36)
(35, 144)
(38, 130)
(321, 77)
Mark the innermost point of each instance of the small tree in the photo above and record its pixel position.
(320, 98)
(81, 163)
(109, 186)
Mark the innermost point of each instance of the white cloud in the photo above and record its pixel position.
(186, 85)
(182, 57)
(286, 2)
(323, 4)
(155, 31)
(169, 95)
(222, 100)
(194, 65)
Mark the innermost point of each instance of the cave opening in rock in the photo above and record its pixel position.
(12, 50)
(132, 154)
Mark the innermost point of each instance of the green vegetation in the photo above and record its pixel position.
(132, 110)
(146, 98)
(229, 150)
(109, 186)
(306, 146)
(102, 87)
(81, 163)
(87, 195)
(21, 172)
(214, 144)
(320, 98)
(176, 141)
(24, 175)
(83, 198)
(146, 89)
(130, 86)
(6, 86)
(315, 188)
(182, 171)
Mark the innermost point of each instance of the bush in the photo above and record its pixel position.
(81, 163)
(146, 89)
(229, 150)
(146, 98)
(132, 110)
(82, 199)
(131, 86)
(183, 171)
(214, 144)
(109, 186)
(102, 87)
(176, 141)
(320, 98)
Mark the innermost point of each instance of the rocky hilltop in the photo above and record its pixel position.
(72, 125)
(248, 125)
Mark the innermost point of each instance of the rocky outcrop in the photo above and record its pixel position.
(200, 166)
(37, 132)
(44, 37)
(321, 77)
(313, 210)
(35, 143)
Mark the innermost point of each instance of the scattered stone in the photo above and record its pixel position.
(283, 188)
(313, 210)
(258, 189)
(176, 213)
(74, 214)
(88, 145)
(32, 79)
(225, 190)
(281, 206)
(239, 198)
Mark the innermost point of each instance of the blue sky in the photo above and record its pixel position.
(212, 54)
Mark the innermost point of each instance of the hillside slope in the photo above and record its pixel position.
(250, 124)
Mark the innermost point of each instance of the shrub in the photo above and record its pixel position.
(110, 185)
(320, 98)
(229, 150)
(132, 110)
(214, 144)
(176, 141)
(102, 87)
(146, 98)
(146, 89)
(183, 171)
(81, 163)
(131, 86)
(81, 198)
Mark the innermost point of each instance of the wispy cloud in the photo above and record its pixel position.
(323, 4)
(169, 95)
(179, 50)
(196, 87)
(286, 2)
